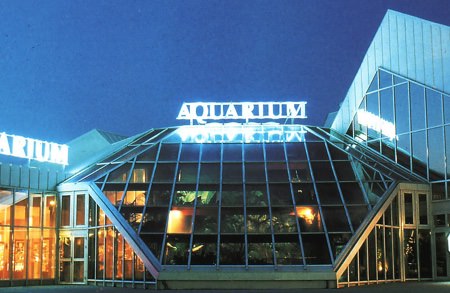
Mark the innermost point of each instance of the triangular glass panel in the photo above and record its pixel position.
(385, 79)
(374, 85)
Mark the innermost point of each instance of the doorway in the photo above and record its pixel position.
(73, 257)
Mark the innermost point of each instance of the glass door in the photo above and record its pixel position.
(72, 257)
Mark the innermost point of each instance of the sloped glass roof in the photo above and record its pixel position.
(244, 195)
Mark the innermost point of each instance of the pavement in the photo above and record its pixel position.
(409, 287)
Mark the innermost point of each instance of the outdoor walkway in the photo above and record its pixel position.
(410, 287)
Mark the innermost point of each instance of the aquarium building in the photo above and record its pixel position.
(245, 192)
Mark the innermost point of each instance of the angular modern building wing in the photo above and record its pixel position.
(265, 205)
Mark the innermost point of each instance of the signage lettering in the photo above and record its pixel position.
(201, 112)
(33, 149)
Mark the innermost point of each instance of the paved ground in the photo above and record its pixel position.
(410, 287)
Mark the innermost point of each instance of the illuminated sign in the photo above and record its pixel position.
(33, 149)
(245, 110)
(376, 123)
(236, 133)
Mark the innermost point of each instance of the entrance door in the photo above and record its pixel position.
(73, 257)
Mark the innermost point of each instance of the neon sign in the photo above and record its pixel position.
(33, 149)
(376, 123)
(236, 133)
(241, 111)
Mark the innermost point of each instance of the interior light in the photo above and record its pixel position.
(194, 249)
(306, 213)
(52, 202)
(448, 240)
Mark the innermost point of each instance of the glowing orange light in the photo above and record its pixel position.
(176, 222)
(52, 202)
(306, 213)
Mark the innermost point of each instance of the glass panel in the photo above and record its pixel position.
(439, 220)
(256, 195)
(232, 195)
(92, 252)
(389, 254)
(436, 153)
(441, 254)
(373, 108)
(232, 173)
(208, 195)
(177, 250)
(423, 209)
(141, 173)
(317, 151)
(322, 171)
(254, 172)
(401, 108)
(78, 271)
(309, 218)
(120, 175)
(50, 211)
(404, 150)
(258, 220)
(335, 219)
(280, 194)
(374, 84)
(65, 210)
(260, 251)
(304, 194)
(299, 172)
(410, 251)
(211, 153)
(34, 254)
(381, 264)
(385, 79)
(275, 152)
(6, 201)
(4, 253)
(352, 193)
(419, 152)
(253, 153)
(372, 256)
(232, 250)
(283, 220)
(190, 153)
(80, 217)
(386, 107)
(287, 250)
(48, 254)
(232, 220)
(19, 254)
(328, 193)
(425, 253)
(209, 173)
(20, 208)
(64, 275)
(232, 153)
(128, 262)
(100, 253)
(409, 208)
(204, 250)
(168, 152)
(277, 172)
(164, 173)
(109, 255)
(187, 173)
(446, 109)
(363, 262)
(434, 108)
(206, 220)
(148, 155)
(344, 171)
(357, 215)
(316, 249)
(35, 210)
(180, 220)
(295, 152)
(160, 195)
(417, 107)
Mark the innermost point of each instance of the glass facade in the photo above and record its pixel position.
(27, 236)
(200, 200)
(411, 127)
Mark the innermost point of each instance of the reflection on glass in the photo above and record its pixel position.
(309, 218)
(180, 221)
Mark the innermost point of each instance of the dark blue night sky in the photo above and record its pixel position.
(126, 66)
